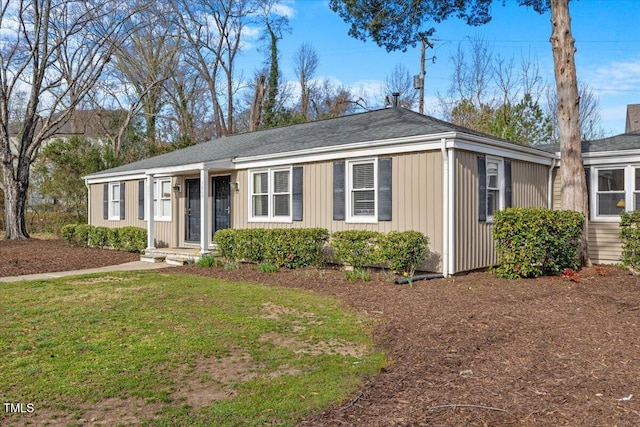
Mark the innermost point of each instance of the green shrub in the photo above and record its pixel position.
(249, 244)
(532, 242)
(295, 247)
(357, 248)
(99, 237)
(81, 235)
(133, 239)
(207, 260)
(291, 248)
(404, 250)
(268, 268)
(225, 241)
(114, 238)
(630, 236)
(68, 234)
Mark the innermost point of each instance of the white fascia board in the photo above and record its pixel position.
(611, 157)
(503, 149)
(169, 170)
(122, 176)
(224, 164)
(360, 149)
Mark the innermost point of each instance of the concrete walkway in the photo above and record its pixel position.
(129, 266)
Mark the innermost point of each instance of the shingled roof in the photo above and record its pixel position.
(362, 127)
(622, 142)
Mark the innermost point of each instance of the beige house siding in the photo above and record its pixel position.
(164, 230)
(603, 238)
(416, 196)
(474, 246)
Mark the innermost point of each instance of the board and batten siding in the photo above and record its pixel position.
(474, 245)
(164, 230)
(417, 199)
(603, 238)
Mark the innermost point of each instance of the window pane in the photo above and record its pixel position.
(637, 187)
(166, 208)
(281, 182)
(636, 201)
(115, 192)
(115, 206)
(492, 175)
(611, 203)
(364, 203)
(611, 180)
(260, 183)
(281, 205)
(363, 176)
(166, 189)
(493, 197)
(261, 205)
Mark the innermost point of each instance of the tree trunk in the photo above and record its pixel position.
(15, 202)
(572, 177)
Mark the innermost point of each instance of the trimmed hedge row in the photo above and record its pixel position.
(630, 236)
(130, 239)
(302, 247)
(531, 242)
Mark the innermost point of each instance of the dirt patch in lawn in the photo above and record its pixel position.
(471, 350)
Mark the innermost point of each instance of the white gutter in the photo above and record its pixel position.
(445, 208)
(550, 185)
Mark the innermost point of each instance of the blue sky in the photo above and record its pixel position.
(606, 32)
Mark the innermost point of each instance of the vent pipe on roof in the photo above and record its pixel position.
(392, 100)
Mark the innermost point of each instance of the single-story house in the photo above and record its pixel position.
(384, 170)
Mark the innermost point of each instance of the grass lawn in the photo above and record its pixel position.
(158, 349)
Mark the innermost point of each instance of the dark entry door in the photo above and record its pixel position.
(192, 210)
(221, 203)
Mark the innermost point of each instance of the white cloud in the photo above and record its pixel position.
(615, 78)
(284, 9)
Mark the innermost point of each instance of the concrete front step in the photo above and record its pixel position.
(154, 258)
(173, 256)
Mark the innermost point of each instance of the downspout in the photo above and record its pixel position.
(550, 184)
(451, 234)
(445, 207)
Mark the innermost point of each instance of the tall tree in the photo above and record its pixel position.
(305, 64)
(55, 52)
(399, 24)
(400, 81)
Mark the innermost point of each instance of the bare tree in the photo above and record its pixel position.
(400, 81)
(590, 118)
(54, 52)
(305, 64)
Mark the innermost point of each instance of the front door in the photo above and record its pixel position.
(221, 203)
(192, 210)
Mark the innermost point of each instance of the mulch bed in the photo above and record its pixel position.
(471, 350)
(30, 256)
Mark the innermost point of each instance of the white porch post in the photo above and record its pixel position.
(148, 199)
(205, 239)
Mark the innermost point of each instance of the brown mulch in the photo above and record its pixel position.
(31, 256)
(471, 350)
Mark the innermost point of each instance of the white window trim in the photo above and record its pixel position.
(501, 186)
(114, 216)
(360, 219)
(629, 190)
(270, 193)
(157, 199)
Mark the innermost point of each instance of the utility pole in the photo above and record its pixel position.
(418, 81)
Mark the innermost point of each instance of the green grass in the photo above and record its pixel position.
(275, 354)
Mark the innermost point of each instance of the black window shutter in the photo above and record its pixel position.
(587, 176)
(122, 200)
(141, 199)
(384, 189)
(297, 193)
(508, 202)
(482, 188)
(338, 191)
(105, 202)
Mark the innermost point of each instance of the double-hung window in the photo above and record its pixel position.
(270, 195)
(610, 192)
(494, 201)
(114, 201)
(614, 189)
(162, 199)
(362, 190)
